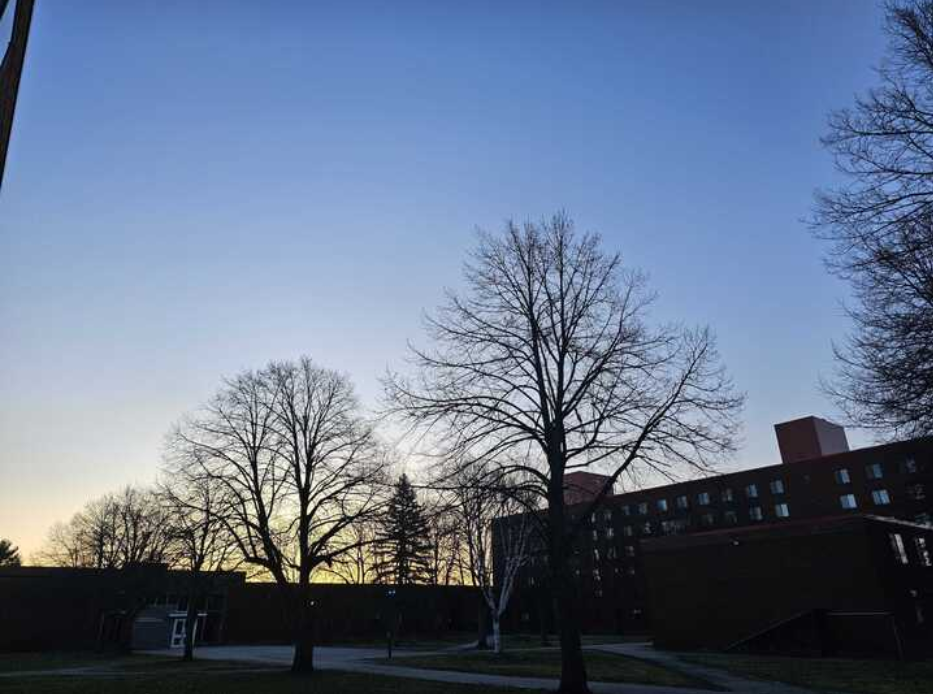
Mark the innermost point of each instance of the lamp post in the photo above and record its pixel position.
(390, 627)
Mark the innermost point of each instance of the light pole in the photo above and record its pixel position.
(390, 630)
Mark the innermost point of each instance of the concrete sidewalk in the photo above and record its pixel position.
(360, 660)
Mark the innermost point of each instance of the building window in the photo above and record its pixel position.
(727, 494)
(703, 498)
(531, 580)
(627, 531)
(751, 491)
(777, 486)
(630, 570)
(662, 505)
(848, 501)
(842, 476)
(630, 550)
(754, 513)
(646, 528)
(897, 546)
(917, 492)
(881, 497)
(908, 466)
(707, 520)
(923, 551)
(781, 511)
(667, 527)
(874, 471)
(626, 510)
(595, 556)
(607, 515)
(682, 502)
(643, 508)
(610, 532)
(923, 518)
(595, 533)
(611, 552)
(730, 517)
(593, 518)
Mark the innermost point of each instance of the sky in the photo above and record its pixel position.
(194, 189)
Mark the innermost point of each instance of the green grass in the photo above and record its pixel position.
(600, 667)
(200, 682)
(829, 674)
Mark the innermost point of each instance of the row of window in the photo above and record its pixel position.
(900, 551)
(702, 499)
(879, 497)
(674, 526)
(875, 471)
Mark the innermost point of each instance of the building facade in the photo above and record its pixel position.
(817, 478)
(843, 586)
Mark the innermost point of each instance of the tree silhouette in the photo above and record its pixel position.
(880, 226)
(545, 363)
(9, 554)
(404, 554)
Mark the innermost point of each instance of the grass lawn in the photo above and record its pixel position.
(534, 640)
(830, 674)
(27, 662)
(196, 678)
(600, 667)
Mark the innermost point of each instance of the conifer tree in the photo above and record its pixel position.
(404, 550)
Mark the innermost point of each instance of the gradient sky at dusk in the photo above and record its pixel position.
(195, 188)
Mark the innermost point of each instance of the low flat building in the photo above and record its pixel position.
(842, 586)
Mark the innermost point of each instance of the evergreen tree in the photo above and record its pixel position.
(404, 554)
(9, 555)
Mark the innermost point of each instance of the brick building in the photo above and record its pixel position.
(817, 478)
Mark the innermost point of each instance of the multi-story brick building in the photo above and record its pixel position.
(817, 478)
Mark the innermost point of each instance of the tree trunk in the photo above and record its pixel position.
(496, 635)
(572, 667)
(303, 662)
(481, 643)
(191, 619)
(563, 586)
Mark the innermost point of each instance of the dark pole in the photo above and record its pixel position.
(10, 70)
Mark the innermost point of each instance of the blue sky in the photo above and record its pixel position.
(197, 188)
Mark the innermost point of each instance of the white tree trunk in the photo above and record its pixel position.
(496, 636)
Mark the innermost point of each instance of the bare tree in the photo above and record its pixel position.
(445, 538)
(199, 542)
(497, 529)
(299, 467)
(880, 225)
(358, 565)
(545, 364)
(112, 532)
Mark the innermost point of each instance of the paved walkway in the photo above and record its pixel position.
(360, 660)
(720, 678)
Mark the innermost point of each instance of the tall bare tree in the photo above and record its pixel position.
(299, 467)
(199, 542)
(880, 226)
(545, 364)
